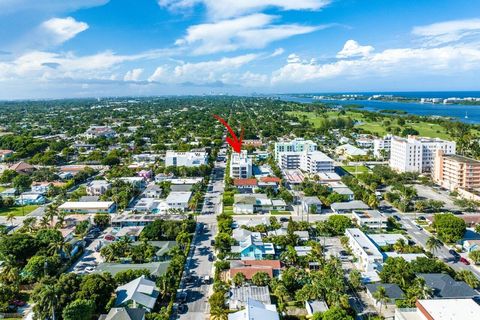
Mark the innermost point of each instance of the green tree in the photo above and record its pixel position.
(449, 228)
(355, 278)
(380, 296)
(338, 224)
(97, 288)
(433, 244)
(334, 313)
(475, 256)
(468, 277)
(239, 279)
(22, 182)
(261, 279)
(101, 220)
(80, 309)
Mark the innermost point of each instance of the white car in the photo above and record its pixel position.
(90, 269)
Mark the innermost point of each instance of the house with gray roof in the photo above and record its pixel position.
(444, 286)
(239, 296)
(138, 293)
(124, 314)
(392, 290)
(348, 207)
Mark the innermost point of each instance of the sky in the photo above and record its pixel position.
(97, 48)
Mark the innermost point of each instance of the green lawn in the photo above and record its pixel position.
(355, 169)
(280, 213)
(18, 211)
(378, 128)
(228, 209)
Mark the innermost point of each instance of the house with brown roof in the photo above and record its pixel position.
(22, 167)
(250, 267)
(5, 154)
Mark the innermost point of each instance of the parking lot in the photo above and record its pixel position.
(91, 255)
(437, 194)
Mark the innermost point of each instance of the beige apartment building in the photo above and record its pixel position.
(456, 172)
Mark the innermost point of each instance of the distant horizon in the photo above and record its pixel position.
(110, 48)
(246, 95)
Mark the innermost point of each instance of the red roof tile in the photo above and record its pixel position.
(271, 179)
(245, 182)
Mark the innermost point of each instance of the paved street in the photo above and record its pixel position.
(199, 265)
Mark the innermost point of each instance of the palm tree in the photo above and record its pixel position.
(44, 222)
(61, 219)
(10, 217)
(60, 246)
(381, 297)
(399, 245)
(51, 211)
(218, 313)
(468, 277)
(10, 272)
(433, 244)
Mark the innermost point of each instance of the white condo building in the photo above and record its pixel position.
(417, 154)
(185, 159)
(380, 144)
(302, 154)
(240, 165)
(295, 145)
(367, 253)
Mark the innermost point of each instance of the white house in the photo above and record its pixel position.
(139, 293)
(256, 310)
(348, 207)
(373, 219)
(178, 200)
(98, 187)
(89, 207)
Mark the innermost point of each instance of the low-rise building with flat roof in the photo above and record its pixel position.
(369, 257)
(89, 207)
(348, 207)
(440, 309)
(372, 219)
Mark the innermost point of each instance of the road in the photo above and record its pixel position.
(198, 264)
(421, 236)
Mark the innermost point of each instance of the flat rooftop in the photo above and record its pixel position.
(364, 242)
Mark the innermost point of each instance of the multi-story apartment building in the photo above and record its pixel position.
(316, 161)
(369, 257)
(296, 145)
(240, 165)
(380, 144)
(456, 172)
(417, 154)
(186, 159)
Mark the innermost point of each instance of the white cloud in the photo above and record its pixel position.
(42, 65)
(206, 72)
(353, 49)
(56, 31)
(277, 52)
(133, 75)
(447, 31)
(47, 6)
(248, 32)
(221, 9)
(440, 61)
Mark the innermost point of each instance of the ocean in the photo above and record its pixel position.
(464, 113)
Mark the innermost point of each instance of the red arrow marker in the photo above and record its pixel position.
(234, 142)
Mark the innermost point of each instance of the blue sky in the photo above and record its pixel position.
(92, 48)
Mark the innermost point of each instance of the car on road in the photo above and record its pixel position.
(464, 261)
(397, 217)
(207, 279)
(454, 253)
(283, 219)
(212, 242)
(211, 257)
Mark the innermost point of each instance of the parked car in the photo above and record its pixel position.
(211, 257)
(283, 219)
(89, 269)
(464, 261)
(396, 217)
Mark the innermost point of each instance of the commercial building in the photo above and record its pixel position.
(369, 257)
(456, 172)
(417, 154)
(240, 165)
(440, 309)
(185, 159)
(373, 219)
